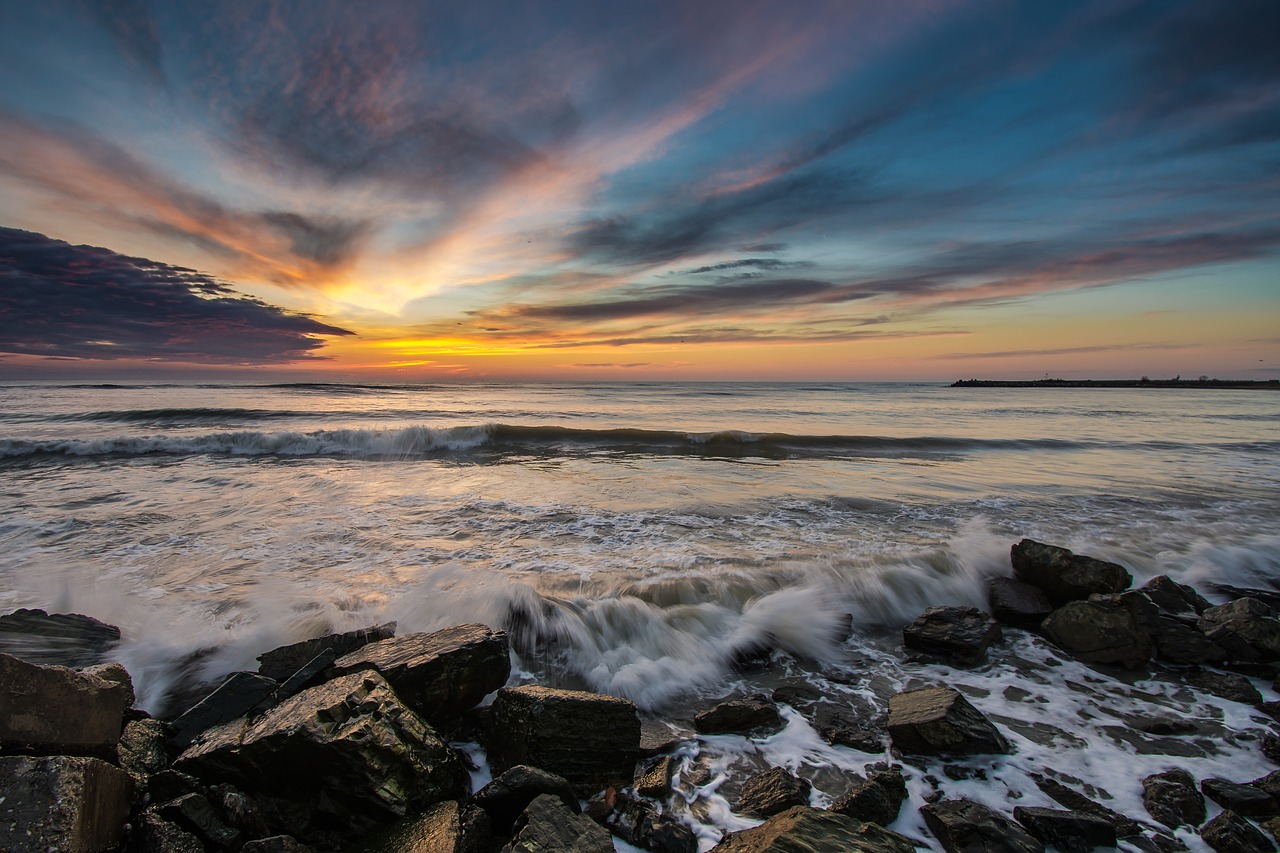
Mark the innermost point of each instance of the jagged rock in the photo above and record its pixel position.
(1179, 643)
(775, 790)
(547, 825)
(940, 721)
(1064, 576)
(592, 740)
(657, 738)
(1244, 800)
(63, 639)
(169, 784)
(801, 828)
(1171, 798)
(961, 634)
(1068, 831)
(196, 815)
(748, 716)
(656, 782)
(154, 834)
(1272, 826)
(1230, 833)
(1270, 746)
(839, 727)
(281, 663)
(1075, 801)
(347, 748)
(447, 827)
(1099, 632)
(802, 697)
(507, 796)
(276, 844)
(639, 822)
(1225, 685)
(239, 694)
(141, 751)
(74, 804)
(1246, 628)
(1016, 603)
(1175, 599)
(877, 799)
(55, 710)
(963, 826)
(1269, 783)
(241, 812)
(438, 675)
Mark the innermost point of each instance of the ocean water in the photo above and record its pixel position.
(635, 537)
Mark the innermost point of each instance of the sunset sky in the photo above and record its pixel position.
(917, 189)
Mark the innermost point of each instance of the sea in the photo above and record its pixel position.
(642, 539)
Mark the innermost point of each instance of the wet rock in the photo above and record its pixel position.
(1244, 800)
(239, 694)
(657, 738)
(1099, 632)
(1126, 827)
(276, 844)
(1269, 783)
(1179, 643)
(1172, 799)
(447, 827)
(656, 783)
(802, 697)
(1246, 628)
(1230, 833)
(1016, 603)
(75, 804)
(1175, 599)
(877, 799)
(438, 675)
(1162, 725)
(348, 749)
(1272, 827)
(63, 639)
(141, 751)
(1224, 685)
(640, 823)
(1064, 576)
(169, 784)
(775, 790)
(1068, 831)
(196, 815)
(940, 721)
(55, 710)
(592, 740)
(963, 826)
(547, 825)
(841, 728)
(506, 797)
(1270, 746)
(154, 834)
(807, 829)
(960, 634)
(739, 716)
(281, 663)
(239, 810)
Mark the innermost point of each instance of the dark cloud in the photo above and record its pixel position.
(60, 300)
(747, 263)
(682, 301)
(132, 26)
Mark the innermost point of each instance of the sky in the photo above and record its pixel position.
(402, 190)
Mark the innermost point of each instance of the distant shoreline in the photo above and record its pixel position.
(1272, 384)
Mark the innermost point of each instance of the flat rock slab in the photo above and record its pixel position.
(739, 716)
(802, 829)
(1100, 632)
(1224, 685)
(70, 804)
(61, 639)
(1230, 833)
(438, 675)
(1244, 800)
(283, 662)
(55, 710)
(239, 694)
(963, 826)
(1016, 603)
(1068, 831)
(547, 825)
(940, 721)
(775, 790)
(1064, 576)
(590, 739)
(960, 634)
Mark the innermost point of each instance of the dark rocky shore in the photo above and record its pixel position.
(1179, 383)
(367, 741)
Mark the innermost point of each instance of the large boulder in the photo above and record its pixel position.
(751, 715)
(656, 782)
(960, 634)
(239, 693)
(71, 804)
(1064, 576)
(772, 791)
(547, 825)
(1068, 831)
(281, 663)
(505, 798)
(438, 675)
(1172, 799)
(592, 740)
(642, 824)
(963, 826)
(1245, 800)
(1224, 685)
(347, 752)
(1016, 603)
(1175, 599)
(1099, 631)
(940, 721)
(63, 639)
(55, 710)
(877, 799)
(1247, 628)
(1230, 833)
(802, 828)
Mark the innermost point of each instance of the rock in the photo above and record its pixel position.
(802, 697)
(507, 796)
(1246, 628)
(239, 694)
(276, 844)
(446, 827)
(1179, 643)
(1099, 632)
(154, 834)
(657, 738)
(1172, 799)
(169, 784)
(656, 783)
(281, 663)
(592, 740)
(1230, 833)
(1272, 826)
(739, 716)
(1224, 685)
(839, 727)
(638, 822)
(1064, 576)
(64, 639)
(1075, 801)
(1016, 603)
(347, 748)
(940, 721)
(775, 790)
(878, 799)
(1270, 746)
(1175, 599)
(1071, 832)
(55, 710)
(240, 811)
(73, 804)
(801, 828)
(963, 826)
(547, 825)
(196, 815)
(1269, 783)
(960, 634)
(1244, 800)
(141, 751)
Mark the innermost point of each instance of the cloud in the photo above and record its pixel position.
(63, 301)
(1023, 353)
